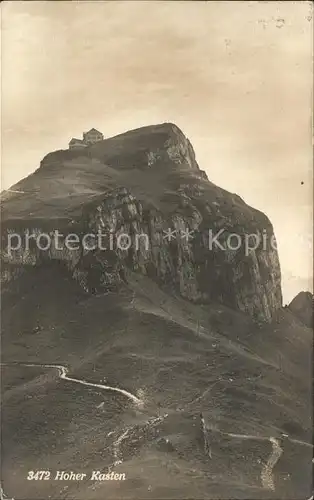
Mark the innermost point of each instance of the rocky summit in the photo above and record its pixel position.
(202, 239)
(145, 349)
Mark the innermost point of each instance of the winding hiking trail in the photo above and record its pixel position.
(63, 374)
(267, 472)
(63, 371)
(150, 423)
(267, 476)
(127, 433)
(3, 495)
(116, 448)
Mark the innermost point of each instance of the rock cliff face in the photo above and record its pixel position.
(157, 214)
(302, 307)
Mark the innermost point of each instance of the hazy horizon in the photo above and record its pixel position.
(236, 78)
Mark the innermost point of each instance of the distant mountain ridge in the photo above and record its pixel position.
(302, 307)
(146, 181)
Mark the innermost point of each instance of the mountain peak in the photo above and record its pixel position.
(147, 181)
(154, 146)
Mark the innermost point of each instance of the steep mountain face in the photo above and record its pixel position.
(145, 361)
(302, 307)
(195, 236)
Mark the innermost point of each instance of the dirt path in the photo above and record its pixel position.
(63, 373)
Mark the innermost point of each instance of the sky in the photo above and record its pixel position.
(236, 77)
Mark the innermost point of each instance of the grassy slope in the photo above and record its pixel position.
(182, 359)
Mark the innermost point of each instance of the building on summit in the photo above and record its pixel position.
(76, 143)
(90, 137)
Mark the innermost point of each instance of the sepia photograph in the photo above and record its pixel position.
(156, 250)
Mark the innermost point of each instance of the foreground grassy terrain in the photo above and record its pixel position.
(249, 383)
